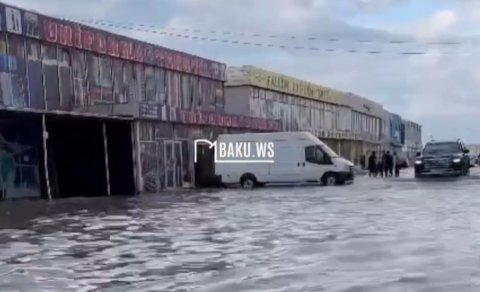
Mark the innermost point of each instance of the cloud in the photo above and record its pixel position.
(376, 5)
(99, 8)
(438, 90)
(438, 24)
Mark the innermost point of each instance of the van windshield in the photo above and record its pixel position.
(329, 151)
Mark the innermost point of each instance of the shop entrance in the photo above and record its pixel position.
(205, 167)
(173, 163)
(21, 156)
(89, 157)
(118, 138)
(81, 156)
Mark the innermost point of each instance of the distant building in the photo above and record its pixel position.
(350, 124)
(395, 131)
(411, 138)
(474, 149)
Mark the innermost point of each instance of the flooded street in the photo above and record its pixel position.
(375, 235)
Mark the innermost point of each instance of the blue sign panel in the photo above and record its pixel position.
(396, 130)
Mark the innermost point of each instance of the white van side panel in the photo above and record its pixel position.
(288, 160)
(232, 172)
(289, 166)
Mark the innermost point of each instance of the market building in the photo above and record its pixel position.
(87, 112)
(474, 149)
(349, 124)
(411, 139)
(368, 120)
(395, 134)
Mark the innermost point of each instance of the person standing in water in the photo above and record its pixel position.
(396, 164)
(389, 164)
(372, 164)
(384, 168)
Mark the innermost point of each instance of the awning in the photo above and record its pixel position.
(65, 113)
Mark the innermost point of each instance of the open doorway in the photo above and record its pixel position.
(174, 164)
(76, 157)
(205, 167)
(79, 149)
(120, 157)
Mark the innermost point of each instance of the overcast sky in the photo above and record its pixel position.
(440, 90)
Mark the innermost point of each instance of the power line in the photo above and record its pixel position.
(275, 36)
(109, 24)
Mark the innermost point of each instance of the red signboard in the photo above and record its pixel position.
(83, 37)
(153, 111)
(226, 121)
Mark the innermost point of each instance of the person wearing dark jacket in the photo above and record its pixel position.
(385, 163)
(389, 164)
(372, 164)
(380, 164)
(396, 164)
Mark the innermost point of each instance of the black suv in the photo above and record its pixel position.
(443, 158)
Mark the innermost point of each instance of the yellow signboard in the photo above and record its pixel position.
(278, 82)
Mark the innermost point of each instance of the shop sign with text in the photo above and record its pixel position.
(175, 115)
(289, 85)
(83, 37)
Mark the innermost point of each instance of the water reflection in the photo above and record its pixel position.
(376, 235)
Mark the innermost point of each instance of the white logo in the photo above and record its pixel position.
(238, 152)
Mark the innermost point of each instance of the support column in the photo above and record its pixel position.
(45, 155)
(137, 156)
(105, 147)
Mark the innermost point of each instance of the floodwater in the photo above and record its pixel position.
(375, 235)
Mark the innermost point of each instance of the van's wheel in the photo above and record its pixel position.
(330, 179)
(248, 181)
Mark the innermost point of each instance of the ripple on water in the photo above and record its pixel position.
(376, 235)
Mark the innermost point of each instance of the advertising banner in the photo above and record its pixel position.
(175, 115)
(289, 85)
(79, 36)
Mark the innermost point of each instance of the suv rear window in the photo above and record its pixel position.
(447, 147)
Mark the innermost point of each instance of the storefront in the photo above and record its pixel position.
(60, 155)
(20, 155)
(166, 146)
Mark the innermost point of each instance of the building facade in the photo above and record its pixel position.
(85, 111)
(395, 133)
(474, 149)
(411, 139)
(137, 102)
(369, 121)
(351, 125)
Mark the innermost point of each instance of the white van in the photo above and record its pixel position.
(298, 157)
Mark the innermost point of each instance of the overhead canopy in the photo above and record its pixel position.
(66, 113)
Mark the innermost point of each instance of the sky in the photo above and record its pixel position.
(439, 90)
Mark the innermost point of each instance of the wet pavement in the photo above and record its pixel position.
(375, 235)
